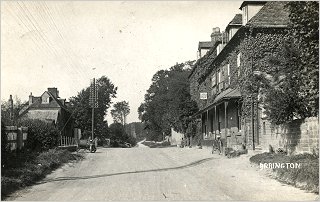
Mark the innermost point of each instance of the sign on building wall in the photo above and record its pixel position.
(203, 96)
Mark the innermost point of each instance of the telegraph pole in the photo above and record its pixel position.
(93, 102)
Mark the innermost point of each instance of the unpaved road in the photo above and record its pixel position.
(159, 174)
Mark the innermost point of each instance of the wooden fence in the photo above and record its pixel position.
(66, 141)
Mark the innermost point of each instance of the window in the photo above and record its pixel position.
(238, 59)
(46, 100)
(213, 80)
(239, 63)
(220, 81)
(228, 73)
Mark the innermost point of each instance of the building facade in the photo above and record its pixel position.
(230, 108)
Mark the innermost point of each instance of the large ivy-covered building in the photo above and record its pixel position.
(224, 77)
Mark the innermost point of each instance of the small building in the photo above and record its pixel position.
(49, 107)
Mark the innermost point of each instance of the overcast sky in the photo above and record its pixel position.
(64, 44)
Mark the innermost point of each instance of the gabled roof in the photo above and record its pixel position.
(205, 44)
(272, 14)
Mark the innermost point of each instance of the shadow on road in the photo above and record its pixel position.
(125, 173)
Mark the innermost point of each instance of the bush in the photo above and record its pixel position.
(119, 136)
(41, 135)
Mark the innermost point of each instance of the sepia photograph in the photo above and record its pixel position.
(159, 100)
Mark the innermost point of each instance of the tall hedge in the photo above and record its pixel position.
(41, 135)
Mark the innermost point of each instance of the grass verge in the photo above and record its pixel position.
(302, 172)
(25, 168)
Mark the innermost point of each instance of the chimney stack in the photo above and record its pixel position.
(54, 92)
(30, 99)
(216, 35)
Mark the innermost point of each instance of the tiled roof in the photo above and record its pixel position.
(272, 14)
(237, 20)
(205, 44)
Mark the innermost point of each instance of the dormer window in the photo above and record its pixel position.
(46, 100)
(250, 9)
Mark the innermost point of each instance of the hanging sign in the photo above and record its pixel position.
(203, 96)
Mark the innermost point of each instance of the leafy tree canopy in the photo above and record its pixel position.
(168, 102)
(120, 112)
(5, 110)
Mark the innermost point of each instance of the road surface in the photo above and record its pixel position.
(159, 174)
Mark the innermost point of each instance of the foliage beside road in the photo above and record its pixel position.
(119, 137)
(25, 168)
(153, 144)
(305, 177)
(168, 103)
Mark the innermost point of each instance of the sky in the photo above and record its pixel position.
(64, 44)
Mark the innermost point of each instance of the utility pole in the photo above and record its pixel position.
(93, 102)
(11, 110)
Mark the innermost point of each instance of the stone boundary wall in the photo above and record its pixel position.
(298, 136)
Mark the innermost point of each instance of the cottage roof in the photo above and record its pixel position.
(272, 14)
(47, 115)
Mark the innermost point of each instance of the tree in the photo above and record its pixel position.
(120, 112)
(168, 102)
(82, 113)
(6, 110)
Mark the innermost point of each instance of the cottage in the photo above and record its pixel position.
(50, 108)
(230, 110)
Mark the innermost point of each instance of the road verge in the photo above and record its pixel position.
(25, 168)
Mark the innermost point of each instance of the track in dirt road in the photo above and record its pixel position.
(157, 174)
